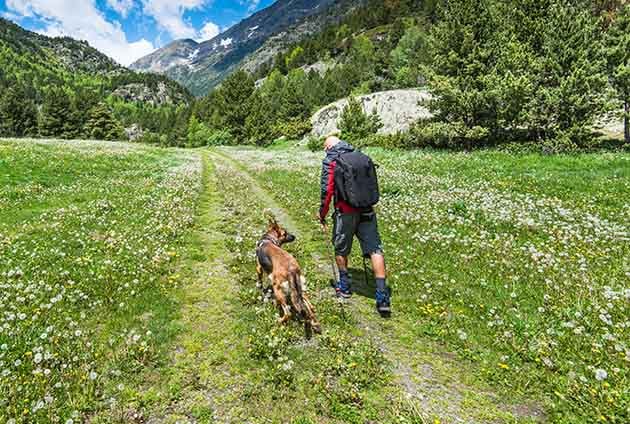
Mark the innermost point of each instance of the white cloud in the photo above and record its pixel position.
(169, 14)
(80, 19)
(251, 4)
(123, 7)
(208, 32)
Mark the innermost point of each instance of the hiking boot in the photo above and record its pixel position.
(383, 305)
(342, 289)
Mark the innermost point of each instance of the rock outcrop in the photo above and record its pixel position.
(139, 92)
(398, 110)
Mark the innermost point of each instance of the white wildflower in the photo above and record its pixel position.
(600, 374)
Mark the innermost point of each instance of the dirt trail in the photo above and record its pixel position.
(198, 384)
(432, 382)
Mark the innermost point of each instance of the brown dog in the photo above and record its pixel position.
(287, 282)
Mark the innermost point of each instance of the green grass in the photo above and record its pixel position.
(519, 264)
(127, 296)
(88, 232)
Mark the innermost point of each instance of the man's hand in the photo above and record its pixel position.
(322, 223)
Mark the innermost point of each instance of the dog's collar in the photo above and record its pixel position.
(271, 239)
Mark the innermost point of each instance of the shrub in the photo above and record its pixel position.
(446, 135)
(390, 141)
(198, 133)
(314, 143)
(294, 129)
(355, 124)
(219, 138)
(152, 138)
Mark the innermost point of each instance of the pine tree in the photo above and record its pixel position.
(18, 113)
(618, 59)
(570, 79)
(295, 59)
(260, 125)
(407, 57)
(101, 124)
(232, 102)
(178, 133)
(294, 104)
(461, 47)
(362, 55)
(355, 124)
(56, 115)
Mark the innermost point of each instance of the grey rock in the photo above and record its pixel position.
(398, 110)
(134, 132)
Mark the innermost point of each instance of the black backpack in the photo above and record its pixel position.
(356, 181)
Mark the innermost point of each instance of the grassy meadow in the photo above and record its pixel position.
(88, 230)
(127, 289)
(518, 263)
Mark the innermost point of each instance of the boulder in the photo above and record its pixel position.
(398, 110)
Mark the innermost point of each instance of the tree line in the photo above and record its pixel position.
(63, 88)
(534, 71)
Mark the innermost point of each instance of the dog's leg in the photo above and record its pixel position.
(311, 319)
(259, 274)
(281, 301)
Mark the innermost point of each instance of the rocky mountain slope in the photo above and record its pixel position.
(202, 66)
(41, 62)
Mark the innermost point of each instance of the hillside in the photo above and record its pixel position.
(201, 66)
(64, 88)
(39, 61)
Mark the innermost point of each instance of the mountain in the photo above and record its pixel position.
(40, 62)
(202, 66)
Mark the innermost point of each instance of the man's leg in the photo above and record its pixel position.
(342, 263)
(372, 247)
(378, 265)
(342, 239)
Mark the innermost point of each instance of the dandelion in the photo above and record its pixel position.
(93, 375)
(600, 374)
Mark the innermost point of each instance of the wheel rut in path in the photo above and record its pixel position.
(432, 381)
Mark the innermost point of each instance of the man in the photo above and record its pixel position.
(348, 222)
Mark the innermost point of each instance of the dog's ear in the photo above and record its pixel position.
(271, 218)
(273, 224)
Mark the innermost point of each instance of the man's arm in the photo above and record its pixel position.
(328, 189)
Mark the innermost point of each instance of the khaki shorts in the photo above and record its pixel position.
(363, 225)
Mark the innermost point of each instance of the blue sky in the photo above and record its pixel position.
(129, 29)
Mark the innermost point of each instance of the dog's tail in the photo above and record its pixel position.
(297, 297)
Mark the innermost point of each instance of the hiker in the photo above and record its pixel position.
(354, 214)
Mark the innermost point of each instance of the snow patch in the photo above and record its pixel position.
(193, 55)
(226, 42)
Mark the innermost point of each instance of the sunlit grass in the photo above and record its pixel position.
(520, 263)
